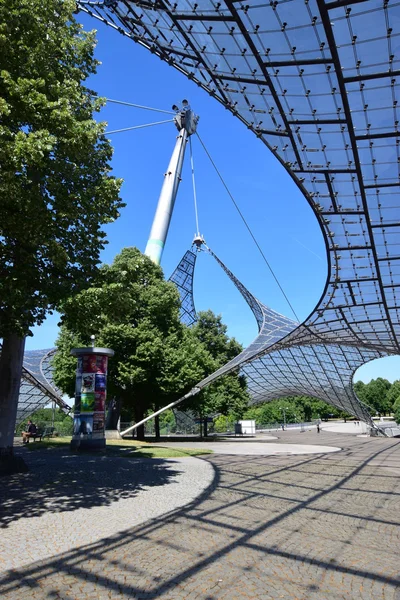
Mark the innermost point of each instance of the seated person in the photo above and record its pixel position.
(31, 431)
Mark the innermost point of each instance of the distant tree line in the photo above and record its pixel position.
(380, 396)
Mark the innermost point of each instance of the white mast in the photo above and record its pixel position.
(186, 123)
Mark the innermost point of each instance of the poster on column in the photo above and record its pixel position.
(78, 398)
(101, 364)
(99, 401)
(87, 402)
(89, 363)
(100, 382)
(98, 422)
(78, 383)
(83, 425)
(79, 366)
(88, 382)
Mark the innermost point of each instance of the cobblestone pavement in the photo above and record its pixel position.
(293, 527)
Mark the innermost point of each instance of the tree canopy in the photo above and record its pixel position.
(375, 394)
(55, 185)
(227, 395)
(293, 409)
(131, 309)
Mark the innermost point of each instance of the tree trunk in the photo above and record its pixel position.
(11, 359)
(157, 427)
(205, 427)
(113, 413)
(139, 415)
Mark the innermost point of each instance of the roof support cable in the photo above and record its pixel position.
(137, 127)
(194, 188)
(160, 110)
(248, 228)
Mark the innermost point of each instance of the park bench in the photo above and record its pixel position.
(46, 432)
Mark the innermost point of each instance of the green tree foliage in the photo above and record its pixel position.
(55, 186)
(227, 395)
(131, 309)
(375, 394)
(393, 395)
(55, 183)
(293, 409)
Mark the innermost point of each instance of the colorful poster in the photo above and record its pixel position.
(89, 363)
(88, 382)
(83, 425)
(100, 402)
(87, 402)
(102, 364)
(100, 383)
(98, 422)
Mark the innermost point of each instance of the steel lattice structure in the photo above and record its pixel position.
(37, 387)
(317, 82)
(278, 363)
(275, 365)
(182, 277)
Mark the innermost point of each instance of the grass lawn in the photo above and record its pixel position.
(128, 448)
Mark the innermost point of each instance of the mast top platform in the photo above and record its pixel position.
(198, 241)
(185, 118)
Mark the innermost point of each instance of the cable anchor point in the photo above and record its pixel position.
(198, 241)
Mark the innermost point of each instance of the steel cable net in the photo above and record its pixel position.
(318, 83)
(182, 277)
(37, 387)
(277, 365)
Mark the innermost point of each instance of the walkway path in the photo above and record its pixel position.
(68, 501)
(319, 527)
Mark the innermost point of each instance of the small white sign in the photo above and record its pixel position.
(248, 427)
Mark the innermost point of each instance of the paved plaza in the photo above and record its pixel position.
(224, 526)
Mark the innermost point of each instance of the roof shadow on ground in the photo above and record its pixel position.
(234, 521)
(59, 481)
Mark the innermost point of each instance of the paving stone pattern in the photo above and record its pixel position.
(266, 527)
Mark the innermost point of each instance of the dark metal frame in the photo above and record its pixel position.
(37, 386)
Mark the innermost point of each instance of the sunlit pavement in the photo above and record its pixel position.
(314, 526)
(255, 447)
(351, 427)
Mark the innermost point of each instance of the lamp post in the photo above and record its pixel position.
(284, 409)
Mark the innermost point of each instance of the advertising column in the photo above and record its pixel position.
(90, 398)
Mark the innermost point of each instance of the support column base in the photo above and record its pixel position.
(88, 445)
(113, 434)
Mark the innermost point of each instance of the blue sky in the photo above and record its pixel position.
(276, 211)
